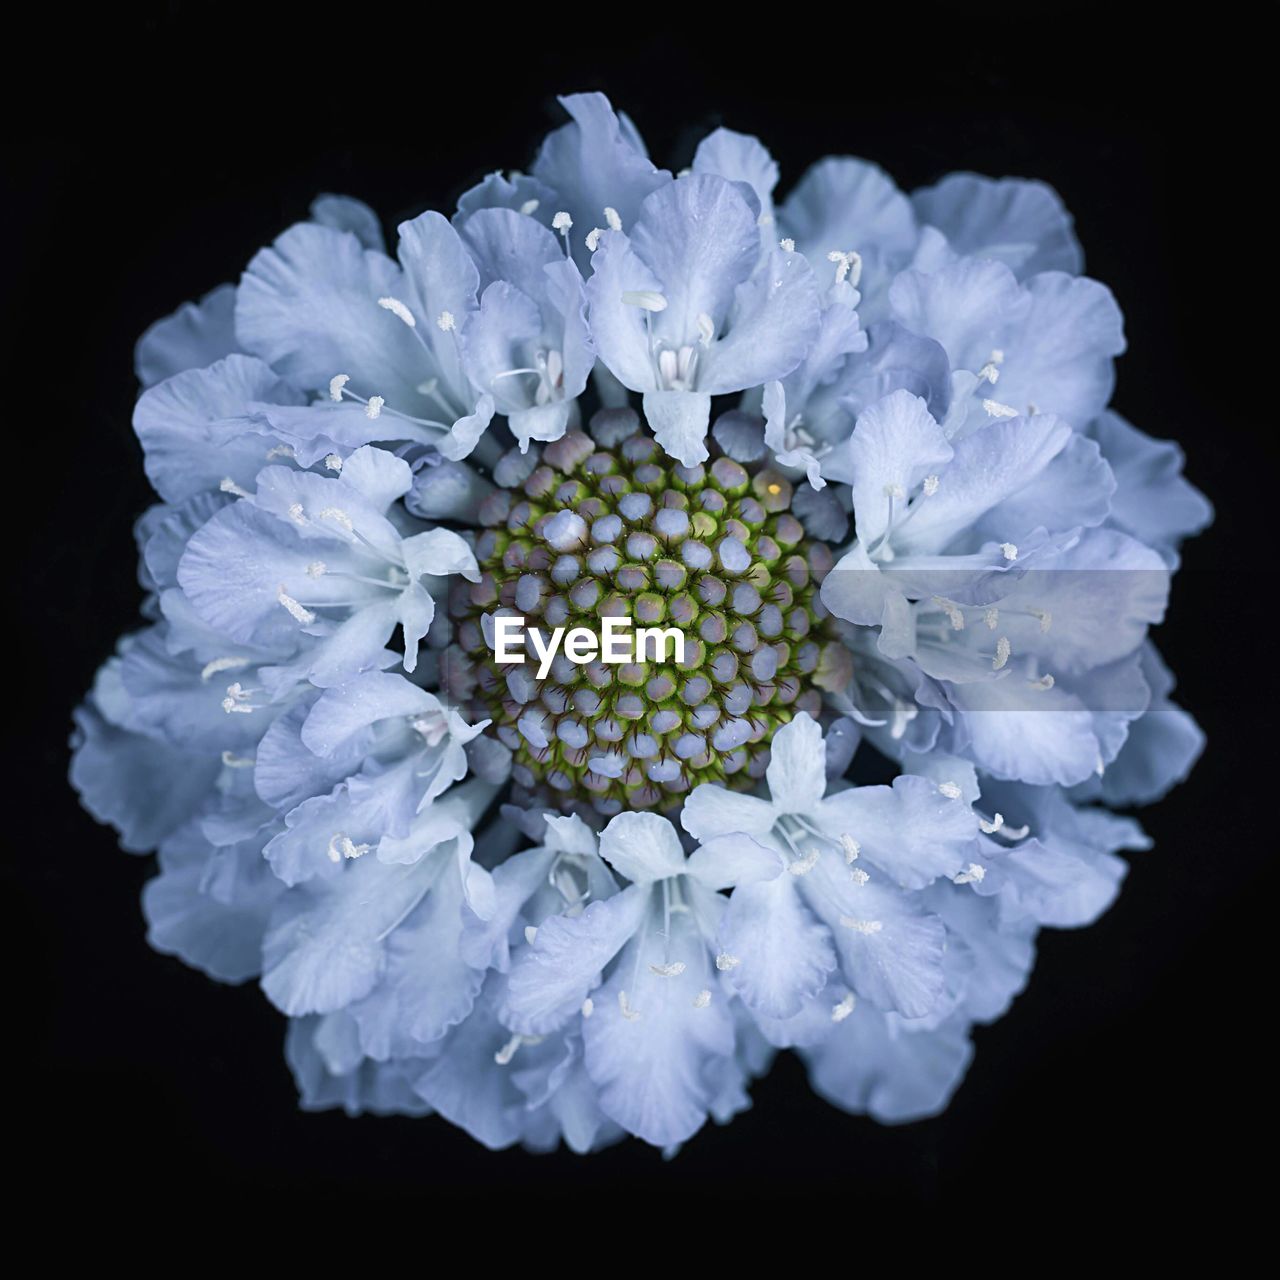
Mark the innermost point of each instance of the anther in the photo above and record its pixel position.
(374, 408)
(990, 828)
(951, 790)
(706, 329)
(930, 486)
(802, 866)
(702, 999)
(211, 669)
(866, 927)
(851, 848)
(841, 1011)
(672, 970)
(233, 761)
(1009, 550)
(645, 299)
(530, 207)
(973, 874)
(445, 322)
(588, 1007)
(399, 310)
(724, 962)
(611, 217)
(336, 383)
(998, 410)
(788, 245)
(333, 462)
(296, 611)
(228, 485)
(624, 1004)
(1003, 650)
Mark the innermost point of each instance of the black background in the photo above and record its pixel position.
(147, 159)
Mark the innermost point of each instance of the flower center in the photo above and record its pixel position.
(613, 527)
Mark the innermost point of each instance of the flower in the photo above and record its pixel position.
(853, 444)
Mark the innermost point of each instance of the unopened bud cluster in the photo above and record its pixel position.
(610, 526)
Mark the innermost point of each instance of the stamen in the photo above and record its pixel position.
(374, 408)
(1046, 618)
(611, 217)
(802, 866)
(990, 372)
(342, 846)
(530, 207)
(236, 701)
(953, 611)
(894, 491)
(1043, 684)
(841, 1011)
(706, 329)
(338, 516)
(859, 877)
(975, 874)
(624, 1004)
(297, 514)
(930, 486)
(228, 485)
(866, 927)
(588, 1007)
(211, 669)
(296, 611)
(593, 239)
(990, 828)
(399, 310)
(1003, 650)
(725, 962)
(507, 1052)
(445, 323)
(702, 999)
(336, 383)
(333, 462)
(951, 790)
(998, 410)
(645, 299)
(848, 265)
(851, 848)
(991, 616)
(788, 245)
(530, 933)
(1009, 550)
(233, 761)
(672, 970)
(281, 451)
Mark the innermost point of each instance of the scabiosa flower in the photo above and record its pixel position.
(852, 445)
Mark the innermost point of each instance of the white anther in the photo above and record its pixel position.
(342, 846)
(236, 700)
(990, 373)
(951, 790)
(894, 491)
(706, 329)
(841, 1011)
(296, 514)
(858, 876)
(561, 223)
(702, 999)
(788, 245)
(973, 874)
(955, 615)
(399, 310)
(280, 451)
(672, 970)
(1003, 650)
(588, 1007)
(991, 616)
(211, 669)
(861, 926)
(317, 569)
(445, 322)
(930, 486)
(645, 299)
(374, 408)
(530, 932)
(593, 239)
(233, 761)
(624, 1004)
(724, 962)
(1009, 550)
(1043, 684)
(338, 516)
(611, 217)
(1045, 617)
(848, 266)
(228, 485)
(802, 866)
(990, 828)
(851, 848)
(333, 462)
(296, 611)
(998, 410)
(336, 383)
(507, 1052)
(529, 207)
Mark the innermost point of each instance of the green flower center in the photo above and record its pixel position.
(624, 531)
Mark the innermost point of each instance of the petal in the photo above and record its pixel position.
(197, 334)
(554, 974)
(797, 774)
(711, 810)
(643, 847)
(678, 420)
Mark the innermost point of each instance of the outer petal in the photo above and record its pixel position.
(643, 847)
(197, 334)
(797, 772)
